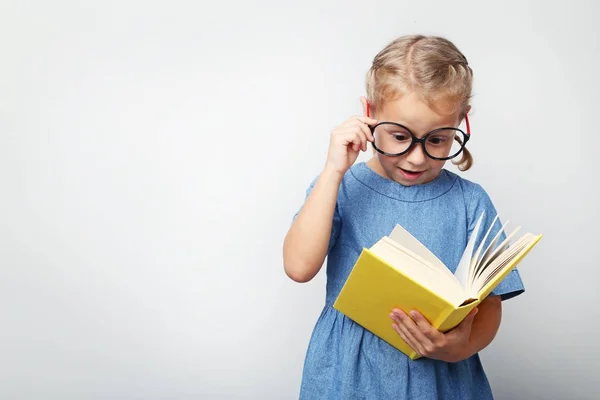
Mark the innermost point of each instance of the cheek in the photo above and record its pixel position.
(436, 165)
(388, 163)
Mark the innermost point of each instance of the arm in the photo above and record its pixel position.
(473, 334)
(485, 326)
(306, 243)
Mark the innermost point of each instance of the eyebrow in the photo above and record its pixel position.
(416, 133)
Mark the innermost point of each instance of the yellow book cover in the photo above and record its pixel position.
(400, 272)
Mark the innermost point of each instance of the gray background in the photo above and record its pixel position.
(153, 153)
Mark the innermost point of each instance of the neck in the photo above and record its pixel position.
(374, 164)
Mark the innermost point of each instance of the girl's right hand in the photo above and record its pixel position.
(347, 140)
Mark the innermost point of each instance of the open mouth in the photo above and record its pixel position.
(411, 175)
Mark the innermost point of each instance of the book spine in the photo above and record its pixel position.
(454, 316)
(441, 322)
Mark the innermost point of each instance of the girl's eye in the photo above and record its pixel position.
(401, 137)
(437, 140)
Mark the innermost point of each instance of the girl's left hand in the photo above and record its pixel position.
(419, 334)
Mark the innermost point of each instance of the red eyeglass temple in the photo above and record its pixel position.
(466, 118)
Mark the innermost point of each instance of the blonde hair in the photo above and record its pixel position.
(429, 65)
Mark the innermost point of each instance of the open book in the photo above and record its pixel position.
(400, 272)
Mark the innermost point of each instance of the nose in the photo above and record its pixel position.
(416, 155)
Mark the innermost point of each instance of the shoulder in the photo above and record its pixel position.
(351, 189)
(349, 179)
(474, 193)
(478, 203)
(354, 177)
(467, 186)
(475, 199)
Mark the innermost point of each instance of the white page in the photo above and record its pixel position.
(502, 261)
(486, 257)
(503, 247)
(475, 259)
(462, 271)
(437, 266)
(427, 276)
(404, 238)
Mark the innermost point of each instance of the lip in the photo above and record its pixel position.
(411, 175)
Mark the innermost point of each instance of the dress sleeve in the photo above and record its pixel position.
(337, 220)
(480, 202)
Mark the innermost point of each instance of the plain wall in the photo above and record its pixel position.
(152, 155)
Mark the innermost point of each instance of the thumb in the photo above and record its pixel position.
(468, 321)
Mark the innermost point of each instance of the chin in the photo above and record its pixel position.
(405, 182)
(409, 175)
(411, 179)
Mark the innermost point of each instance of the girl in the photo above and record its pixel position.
(418, 92)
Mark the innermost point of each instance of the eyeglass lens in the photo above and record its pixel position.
(394, 139)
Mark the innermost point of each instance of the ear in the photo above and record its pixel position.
(366, 106)
(467, 110)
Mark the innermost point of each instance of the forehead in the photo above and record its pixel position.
(412, 111)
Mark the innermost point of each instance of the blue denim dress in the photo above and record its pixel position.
(345, 361)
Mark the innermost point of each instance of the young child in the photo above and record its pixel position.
(418, 90)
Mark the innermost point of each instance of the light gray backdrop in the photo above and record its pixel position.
(153, 153)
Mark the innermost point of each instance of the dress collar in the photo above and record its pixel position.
(423, 192)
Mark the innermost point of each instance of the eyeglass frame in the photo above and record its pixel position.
(415, 140)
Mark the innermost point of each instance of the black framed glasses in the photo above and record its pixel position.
(393, 139)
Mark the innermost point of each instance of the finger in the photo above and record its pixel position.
(407, 337)
(357, 118)
(465, 326)
(349, 136)
(354, 135)
(366, 120)
(363, 139)
(360, 121)
(425, 326)
(467, 323)
(413, 329)
(365, 130)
